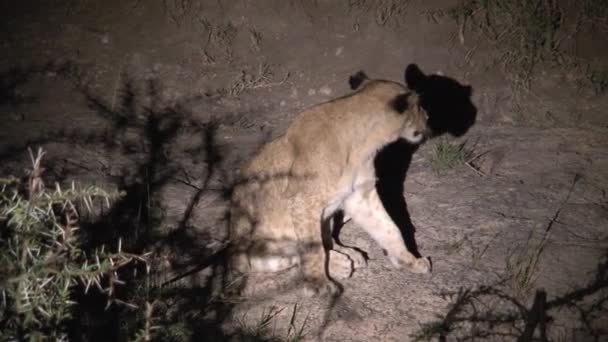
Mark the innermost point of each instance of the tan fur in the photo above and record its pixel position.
(323, 163)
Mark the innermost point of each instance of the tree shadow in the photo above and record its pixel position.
(193, 297)
(13, 78)
(143, 139)
(190, 307)
(490, 313)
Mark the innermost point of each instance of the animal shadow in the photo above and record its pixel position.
(447, 102)
(450, 110)
(391, 165)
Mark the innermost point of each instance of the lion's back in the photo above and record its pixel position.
(314, 148)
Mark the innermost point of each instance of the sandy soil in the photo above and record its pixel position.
(165, 99)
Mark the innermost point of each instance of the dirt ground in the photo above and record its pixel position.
(165, 99)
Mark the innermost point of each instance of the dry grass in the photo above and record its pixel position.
(220, 37)
(179, 11)
(523, 31)
(255, 37)
(447, 156)
(529, 33)
(385, 12)
(521, 266)
(264, 327)
(597, 77)
(261, 77)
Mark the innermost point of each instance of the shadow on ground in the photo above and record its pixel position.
(145, 133)
(193, 297)
(450, 110)
(491, 313)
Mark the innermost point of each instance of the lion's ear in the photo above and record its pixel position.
(357, 79)
(468, 91)
(401, 103)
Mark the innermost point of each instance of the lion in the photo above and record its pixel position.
(284, 199)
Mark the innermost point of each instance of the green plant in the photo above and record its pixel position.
(595, 12)
(447, 156)
(41, 258)
(523, 31)
(145, 333)
(521, 266)
(529, 33)
(598, 79)
(518, 117)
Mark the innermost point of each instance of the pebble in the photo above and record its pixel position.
(325, 90)
(105, 38)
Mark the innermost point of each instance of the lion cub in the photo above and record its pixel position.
(286, 195)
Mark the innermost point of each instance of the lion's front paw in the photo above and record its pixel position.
(320, 287)
(421, 265)
(415, 265)
(340, 265)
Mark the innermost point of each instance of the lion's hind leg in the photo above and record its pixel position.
(336, 221)
(273, 263)
(267, 256)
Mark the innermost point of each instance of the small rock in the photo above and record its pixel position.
(339, 50)
(105, 38)
(325, 90)
(282, 103)
(311, 92)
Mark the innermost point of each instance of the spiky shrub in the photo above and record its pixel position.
(41, 256)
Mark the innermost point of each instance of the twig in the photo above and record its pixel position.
(479, 172)
(461, 31)
(36, 185)
(470, 160)
(577, 177)
(148, 319)
(209, 262)
(470, 165)
(271, 84)
(470, 53)
(116, 85)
